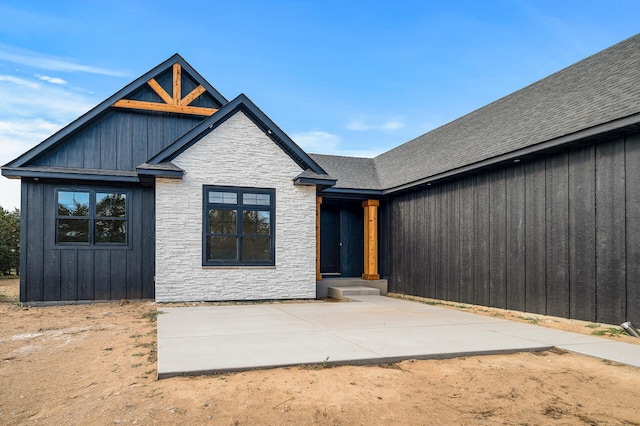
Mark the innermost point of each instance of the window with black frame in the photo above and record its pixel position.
(88, 217)
(239, 226)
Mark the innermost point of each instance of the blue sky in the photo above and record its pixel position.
(340, 77)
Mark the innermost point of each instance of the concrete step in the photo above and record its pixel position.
(322, 287)
(345, 292)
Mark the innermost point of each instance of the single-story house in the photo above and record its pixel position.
(168, 191)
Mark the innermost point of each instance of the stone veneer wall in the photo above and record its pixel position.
(237, 153)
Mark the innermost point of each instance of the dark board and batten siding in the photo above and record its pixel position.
(56, 273)
(558, 235)
(120, 140)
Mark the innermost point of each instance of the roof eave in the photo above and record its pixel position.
(306, 181)
(170, 174)
(165, 170)
(354, 191)
(623, 125)
(19, 173)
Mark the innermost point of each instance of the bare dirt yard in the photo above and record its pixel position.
(96, 364)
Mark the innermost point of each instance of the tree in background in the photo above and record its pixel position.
(9, 241)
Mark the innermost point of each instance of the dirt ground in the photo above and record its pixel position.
(96, 364)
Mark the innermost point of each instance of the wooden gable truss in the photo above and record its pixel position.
(172, 103)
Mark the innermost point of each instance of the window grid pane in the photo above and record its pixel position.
(73, 230)
(111, 205)
(219, 197)
(73, 203)
(111, 231)
(222, 221)
(256, 249)
(256, 199)
(222, 248)
(256, 222)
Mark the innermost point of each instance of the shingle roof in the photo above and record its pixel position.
(594, 91)
(350, 172)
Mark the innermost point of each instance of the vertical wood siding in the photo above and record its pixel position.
(558, 235)
(120, 140)
(582, 233)
(515, 238)
(632, 179)
(57, 273)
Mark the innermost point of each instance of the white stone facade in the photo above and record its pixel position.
(237, 153)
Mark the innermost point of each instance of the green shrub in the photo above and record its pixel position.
(9, 242)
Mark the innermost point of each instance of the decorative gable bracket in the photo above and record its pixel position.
(172, 103)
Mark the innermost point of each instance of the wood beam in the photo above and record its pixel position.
(192, 96)
(318, 203)
(160, 91)
(370, 240)
(177, 83)
(156, 106)
(175, 104)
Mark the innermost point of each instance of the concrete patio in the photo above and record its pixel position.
(369, 330)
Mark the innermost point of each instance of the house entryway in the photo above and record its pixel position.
(341, 239)
(347, 244)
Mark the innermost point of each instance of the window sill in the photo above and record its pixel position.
(238, 267)
(91, 247)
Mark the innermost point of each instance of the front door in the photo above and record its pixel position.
(330, 240)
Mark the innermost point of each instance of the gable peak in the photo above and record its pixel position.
(174, 100)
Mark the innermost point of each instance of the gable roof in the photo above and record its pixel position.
(133, 96)
(596, 97)
(310, 168)
(77, 125)
(598, 94)
(353, 174)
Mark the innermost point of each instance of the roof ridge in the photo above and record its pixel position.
(345, 156)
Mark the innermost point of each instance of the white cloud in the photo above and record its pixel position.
(52, 80)
(16, 137)
(389, 125)
(30, 112)
(28, 115)
(23, 98)
(394, 124)
(358, 125)
(19, 81)
(9, 193)
(47, 62)
(319, 142)
(316, 141)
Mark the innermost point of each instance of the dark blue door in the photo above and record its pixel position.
(330, 240)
